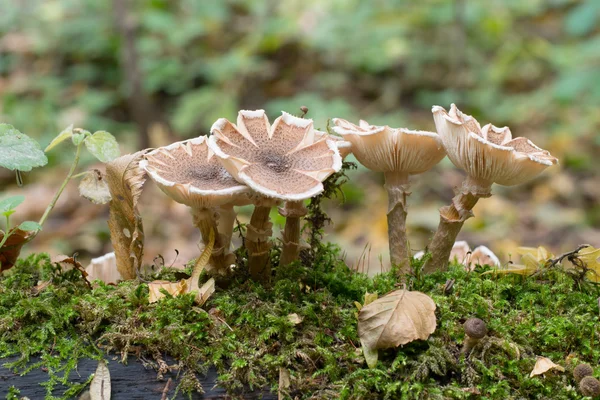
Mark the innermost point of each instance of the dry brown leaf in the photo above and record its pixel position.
(93, 187)
(295, 318)
(543, 365)
(104, 269)
(173, 288)
(12, 248)
(100, 386)
(205, 291)
(284, 382)
(395, 319)
(67, 263)
(125, 180)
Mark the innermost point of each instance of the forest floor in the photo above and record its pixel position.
(303, 325)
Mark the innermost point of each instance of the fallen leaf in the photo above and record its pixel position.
(295, 318)
(173, 288)
(125, 180)
(518, 269)
(67, 263)
(9, 252)
(534, 256)
(104, 269)
(543, 365)
(93, 187)
(395, 319)
(100, 386)
(205, 291)
(284, 382)
(591, 258)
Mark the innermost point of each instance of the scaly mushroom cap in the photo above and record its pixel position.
(384, 149)
(581, 371)
(475, 328)
(589, 386)
(286, 161)
(190, 174)
(489, 153)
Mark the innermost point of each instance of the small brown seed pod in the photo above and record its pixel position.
(581, 371)
(589, 386)
(475, 330)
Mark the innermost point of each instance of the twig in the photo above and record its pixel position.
(166, 389)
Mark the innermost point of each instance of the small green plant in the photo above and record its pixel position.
(19, 152)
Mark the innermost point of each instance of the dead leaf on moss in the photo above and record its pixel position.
(543, 365)
(100, 386)
(173, 288)
(591, 258)
(12, 248)
(295, 318)
(395, 319)
(104, 269)
(189, 285)
(125, 180)
(93, 187)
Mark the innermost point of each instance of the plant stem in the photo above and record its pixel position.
(62, 187)
(293, 211)
(452, 218)
(397, 185)
(7, 233)
(259, 231)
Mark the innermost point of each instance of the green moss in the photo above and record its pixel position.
(244, 332)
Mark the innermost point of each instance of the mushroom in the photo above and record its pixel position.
(581, 371)
(189, 173)
(589, 386)
(488, 155)
(475, 330)
(398, 153)
(286, 161)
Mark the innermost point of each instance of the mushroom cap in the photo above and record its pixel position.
(489, 153)
(482, 255)
(384, 149)
(286, 161)
(344, 146)
(581, 371)
(475, 328)
(589, 386)
(189, 173)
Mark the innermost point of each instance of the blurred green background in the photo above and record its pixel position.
(152, 72)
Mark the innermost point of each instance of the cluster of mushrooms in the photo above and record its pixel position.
(253, 162)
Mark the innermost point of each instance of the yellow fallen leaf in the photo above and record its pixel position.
(173, 288)
(591, 258)
(543, 365)
(369, 298)
(524, 270)
(295, 318)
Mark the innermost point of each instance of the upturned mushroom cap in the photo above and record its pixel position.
(490, 153)
(581, 371)
(286, 161)
(344, 146)
(190, 174)
(482, 255)
(589, 386)
(384, 149)
(475, 328)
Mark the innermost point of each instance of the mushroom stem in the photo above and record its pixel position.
(468, 344)
(259, 231)
(227, 217)
(452, 218)
(205, 220)
(397, 185)
(293, 211)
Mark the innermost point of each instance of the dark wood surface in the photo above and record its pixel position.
(128, 382)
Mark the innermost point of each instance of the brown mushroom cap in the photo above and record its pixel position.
(589, 386)
(581, 371)
(384, 149)
(286, 161)
(190, 174)
(489, 153)
(475, 328)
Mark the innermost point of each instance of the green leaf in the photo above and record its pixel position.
(103, 146)
(10, 203)
(29, 226)
(19, 151)
(77, 138)
(61, 137)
